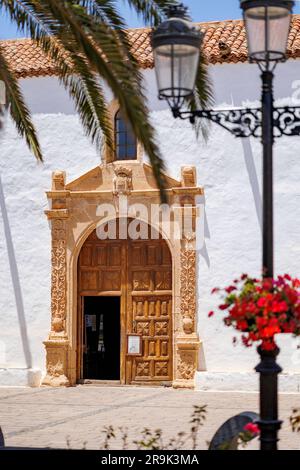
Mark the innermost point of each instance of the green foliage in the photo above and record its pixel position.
(198, 418)
(87, 41)
(109, 434)
(153, 440)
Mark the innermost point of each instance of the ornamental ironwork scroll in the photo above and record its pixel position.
(248, 122)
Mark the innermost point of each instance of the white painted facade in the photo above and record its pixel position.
(228, 168)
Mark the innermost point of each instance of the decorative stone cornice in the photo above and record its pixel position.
(57, 214)
(57, 194)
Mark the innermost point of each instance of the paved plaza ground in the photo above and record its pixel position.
(75, 417)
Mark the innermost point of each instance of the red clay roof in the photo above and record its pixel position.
(224, 42)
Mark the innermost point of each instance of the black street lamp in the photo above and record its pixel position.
(176, 47)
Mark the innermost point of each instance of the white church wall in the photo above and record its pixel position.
(25, 237)
(228, 168)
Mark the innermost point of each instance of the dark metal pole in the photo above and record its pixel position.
(267, 141)
(268, 368)
(268, 423)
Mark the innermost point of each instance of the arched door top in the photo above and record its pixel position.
(140, 273)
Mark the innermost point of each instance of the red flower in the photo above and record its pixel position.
(261, 322)
(270, 331)
(252, 428)
(254, 336)
(262, 308)
(278, 307)
(261, 302)
(269, 345)
(223, 307)
(230, 289)
(211, 314)
(296, 282)
(242, 325)
(246, 341)
(267, 284)
(215, 290)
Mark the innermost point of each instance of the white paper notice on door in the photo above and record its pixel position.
(134, 344)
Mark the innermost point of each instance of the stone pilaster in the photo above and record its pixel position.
(187, 340)
(57, 343)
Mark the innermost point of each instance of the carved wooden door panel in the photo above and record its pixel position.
(140, 272)
(101, 266)
(149, 310)
(102, 272)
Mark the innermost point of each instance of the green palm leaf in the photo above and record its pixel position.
(203, 96)
(88, 42)
(18, 109)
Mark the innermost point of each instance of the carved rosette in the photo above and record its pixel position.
(58, 277)
(186, 365)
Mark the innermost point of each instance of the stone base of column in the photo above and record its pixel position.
(56, 363)
(187, 347)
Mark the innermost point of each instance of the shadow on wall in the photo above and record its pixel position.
(249, 160)
(15, 280)
(203, 232)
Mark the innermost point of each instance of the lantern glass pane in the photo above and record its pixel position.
(267, 31)
(176, 68)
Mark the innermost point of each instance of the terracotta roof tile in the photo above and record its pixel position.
(224, 42)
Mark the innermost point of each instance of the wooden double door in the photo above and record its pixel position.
(138, 273)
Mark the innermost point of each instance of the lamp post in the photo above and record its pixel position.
(176, 46)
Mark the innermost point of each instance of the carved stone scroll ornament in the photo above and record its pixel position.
(58, 277)
(188, 290)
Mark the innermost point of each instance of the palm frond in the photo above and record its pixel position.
(203, 96)
(81, 83)
(18, 109)
(87, 39)
(104, 11)
(151, 11)
(124, 81)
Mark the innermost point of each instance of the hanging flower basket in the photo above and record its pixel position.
(261, 308)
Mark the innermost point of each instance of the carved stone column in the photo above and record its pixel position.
(57, 343)
(187, 340)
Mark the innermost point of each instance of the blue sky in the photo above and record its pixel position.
(201, 10)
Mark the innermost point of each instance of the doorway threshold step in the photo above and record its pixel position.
(111, 383)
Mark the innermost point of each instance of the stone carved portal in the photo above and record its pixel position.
(157, 276)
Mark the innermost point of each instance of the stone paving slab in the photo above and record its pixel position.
(75, 417)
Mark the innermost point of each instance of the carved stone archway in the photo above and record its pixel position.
(77, 208)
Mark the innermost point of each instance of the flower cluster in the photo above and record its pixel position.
(252, 428)
(250, 432)
(261, 308)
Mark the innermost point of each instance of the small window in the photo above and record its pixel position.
(126, 147)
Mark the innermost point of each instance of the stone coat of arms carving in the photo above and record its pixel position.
(122, 181)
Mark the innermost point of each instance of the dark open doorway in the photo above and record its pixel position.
(101, 357)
